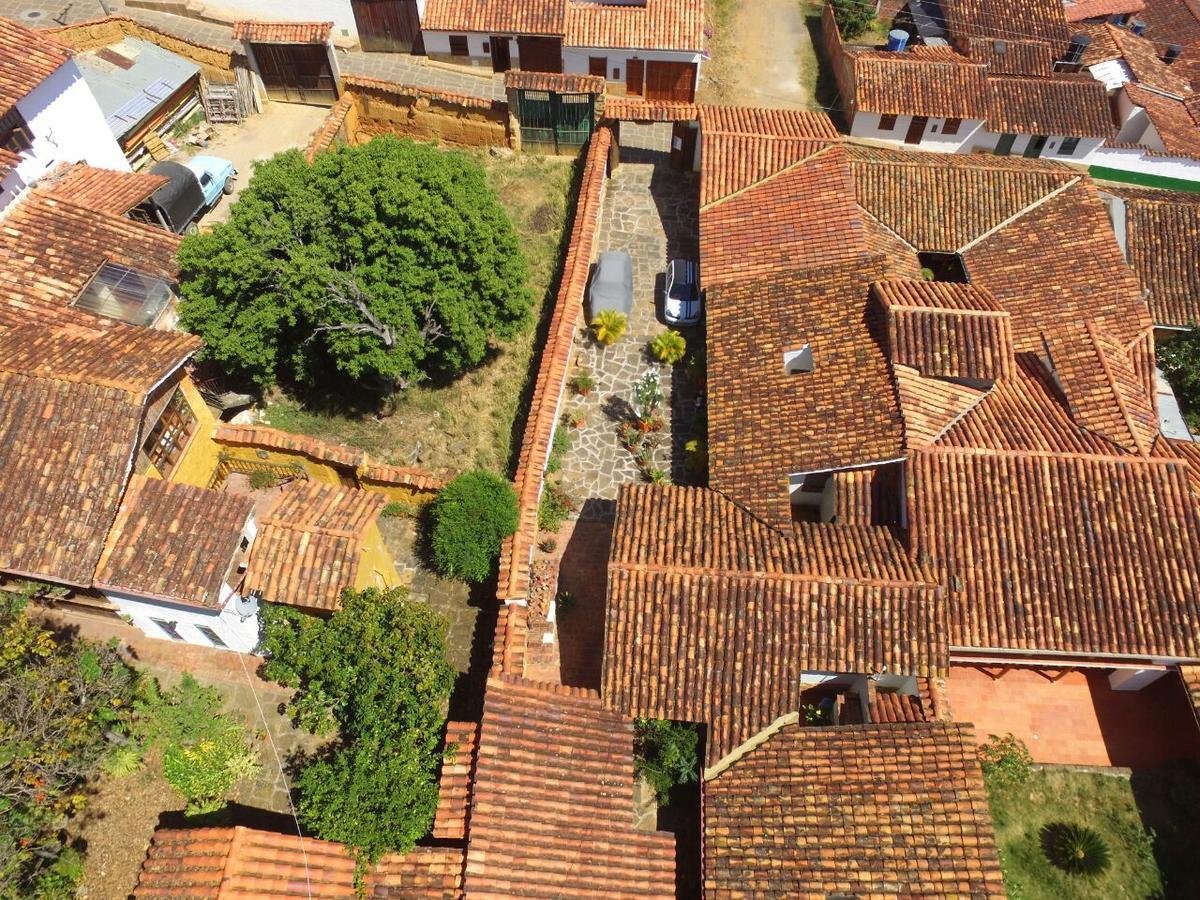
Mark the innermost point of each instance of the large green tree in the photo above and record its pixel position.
(377, 672)
(389, 262)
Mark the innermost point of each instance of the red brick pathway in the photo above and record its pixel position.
(584, 572)
(1079, 720)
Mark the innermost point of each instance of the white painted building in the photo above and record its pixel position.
(232, 626)
(60, 121)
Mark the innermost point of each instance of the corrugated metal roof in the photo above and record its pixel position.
(128, 94)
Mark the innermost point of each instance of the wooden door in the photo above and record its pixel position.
(634, 70)
(671, 81)
(916, 129)
(598, 65)
(296, 73)
(683, 146)
(540, 54)
(387, 26)
(501, 54)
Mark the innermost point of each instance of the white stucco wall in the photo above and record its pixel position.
(866, 125)
(438, 43)
(987, 140)
(575, 60)
(336, 11)
(1137, 163)
(237, 634)
(66, 125)
(1112, 74)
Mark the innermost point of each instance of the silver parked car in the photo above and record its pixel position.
(612, 284)
(682, 304)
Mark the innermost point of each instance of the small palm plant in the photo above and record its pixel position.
(609, 326)
(669, 347)
(1074, 848)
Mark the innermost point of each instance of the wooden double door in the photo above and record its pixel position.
(296, 73)
(540, 54)
(673, 81)
(388, 26)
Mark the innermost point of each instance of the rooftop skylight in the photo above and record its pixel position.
(119, 292)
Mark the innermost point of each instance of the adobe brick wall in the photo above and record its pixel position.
(836, 59)
(459, 120)
(517, 551)
(213, 61)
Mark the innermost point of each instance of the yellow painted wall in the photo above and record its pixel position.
(375, 557)
(320, 472)
(398, 492)
(202, 454)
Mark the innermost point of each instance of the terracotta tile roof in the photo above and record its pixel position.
(648, 25)
(1064, 105)
(767, 122)
(360, 83)
(1191, 683)
(867, 810)
(944, 201)
(550, 381)
(1004, 56)
(946, 330)
(1103, 46)
(307, 548)
(554, 81)
(1056, 265)
(173, 541)
(283, 32)
(65, 452)
(8, 161)
(119, 356)
(425, 873)
(50, 248)
(1172, 21)
(1144, 60)
(931, 406)
(1173, 119)
(454, 786)
(803, 216)
(633, 109)
(242, 863)
(331, 125)
(712, 616)
(1088, 554)
(552, 812)
(101, 190)
(1039, 19)
(273, 438)
(764, 424)
(1162, 237)
(405, 476)
(1102, 388)
(27, 58)
(1080, 10)
(900, 257)
(892, 707)
(928, 81)
(545, 17)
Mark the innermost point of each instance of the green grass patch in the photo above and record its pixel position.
(1104, 803)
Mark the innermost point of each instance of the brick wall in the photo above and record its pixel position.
(551, 380)
(836, 59)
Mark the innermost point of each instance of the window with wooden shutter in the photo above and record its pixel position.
(170, 434)
(887, 123)
(458, 45)
(951, 126)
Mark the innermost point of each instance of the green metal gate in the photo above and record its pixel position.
(555, 121)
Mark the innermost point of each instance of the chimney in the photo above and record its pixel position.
(1138, 27)
(1075, 50)
(1172, 54)
(897, 40)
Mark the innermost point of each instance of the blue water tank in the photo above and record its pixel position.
(897, 40)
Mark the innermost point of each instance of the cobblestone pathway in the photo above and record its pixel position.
(651, 212)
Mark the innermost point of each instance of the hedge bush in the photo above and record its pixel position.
(470, 518)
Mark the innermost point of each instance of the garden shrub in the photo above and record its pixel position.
(609, 326)
(1179, 358)
(582, 383)
(669, 347)
(398, 508)
(556, 504)
(260, 479)
(853, 17)
(560, 444)
(376, 671)
(470, 518)
(206, 771)
(1074, 848)
(1005, 761)
(666, 754)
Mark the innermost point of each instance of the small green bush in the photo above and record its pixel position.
(398, 508)
(1074, 848)
(1179, 358)
(260, 479)
(669, 347)
(206, 771)
(666, 754)
(609, 326)
(556, 504)
(560, 445)
(470, 518)
(1005, 761)
(853, 17)
(582, 383)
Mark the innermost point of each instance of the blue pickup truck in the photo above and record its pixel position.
(192, 189)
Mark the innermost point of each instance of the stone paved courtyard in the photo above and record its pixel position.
(650, 211)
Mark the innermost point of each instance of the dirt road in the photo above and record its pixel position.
(763, 56)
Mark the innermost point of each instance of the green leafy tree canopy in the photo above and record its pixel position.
(470, 518)
(375, 671)
(853, 17)
(387, 262)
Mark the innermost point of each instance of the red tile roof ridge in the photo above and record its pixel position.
(733, 574)
(753, 121)
(1127, 458)
(407, 90)
(778, 173)
(521, 683)
(1140, 440)
(1021, 213)
(117, 17)
(937, 297)
(287, 32)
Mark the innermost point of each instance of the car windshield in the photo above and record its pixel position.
(683, 291)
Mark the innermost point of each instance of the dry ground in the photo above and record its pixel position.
(762, 54)
(470, 421)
